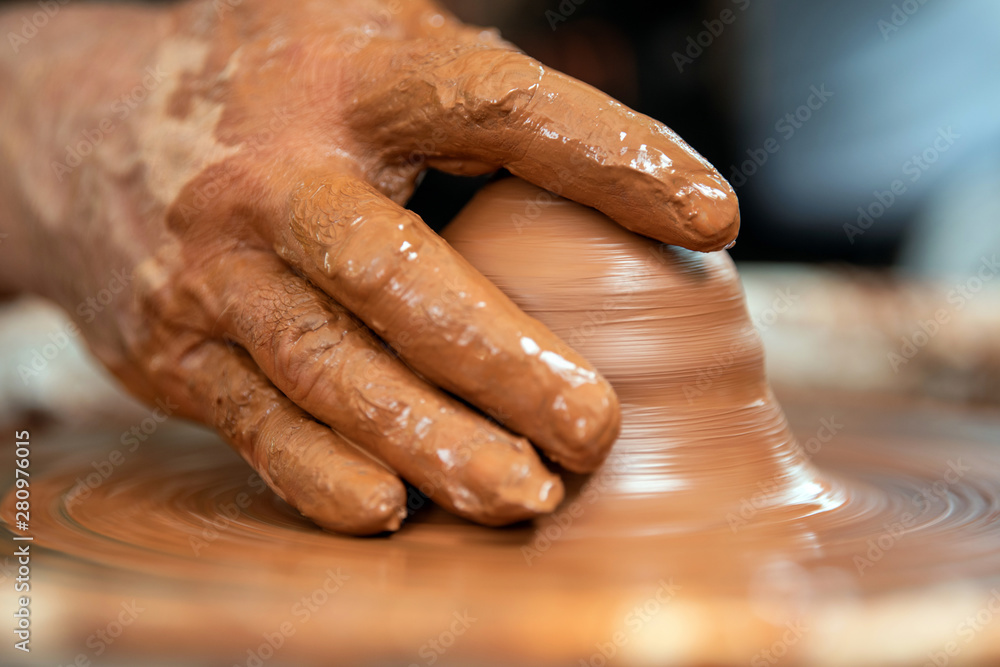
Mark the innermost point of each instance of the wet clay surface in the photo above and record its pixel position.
(249, 201)
(865, 533)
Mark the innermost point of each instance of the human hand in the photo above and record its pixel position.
(278, 289)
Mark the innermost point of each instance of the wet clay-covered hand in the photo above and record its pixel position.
(232, 175)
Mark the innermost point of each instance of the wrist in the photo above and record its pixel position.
(60, 79)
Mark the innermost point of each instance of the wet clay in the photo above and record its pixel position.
(247, 189)
(669, 329)
(714, 533)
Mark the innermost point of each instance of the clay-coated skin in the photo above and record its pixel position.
(241, 168)
(705, 535)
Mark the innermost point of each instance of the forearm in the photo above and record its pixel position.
(63, 84)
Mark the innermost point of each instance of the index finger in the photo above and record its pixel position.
(457, 329)
(478, 104)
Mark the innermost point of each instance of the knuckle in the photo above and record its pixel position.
(324, 212)
(496, 84)
(307, 351)
(340, 225)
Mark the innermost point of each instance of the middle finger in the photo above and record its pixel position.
(447, 321)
